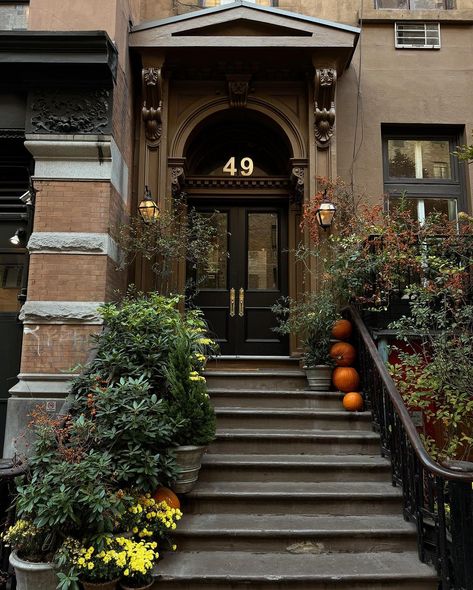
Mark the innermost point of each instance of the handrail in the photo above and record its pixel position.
(413, 435)
(439, 500)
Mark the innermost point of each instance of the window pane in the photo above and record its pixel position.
(428, 4)
(421, 208)
(263, 251)
(212, 273)
(419, 159)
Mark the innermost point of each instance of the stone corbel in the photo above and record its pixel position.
(152, 103)
(298, 174)
(324, 105)
(177, 171)
(238, 86)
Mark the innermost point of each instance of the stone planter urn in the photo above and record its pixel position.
(319, 377)
(189, 461)
(33, 576)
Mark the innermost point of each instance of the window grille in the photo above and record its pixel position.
(417, 35)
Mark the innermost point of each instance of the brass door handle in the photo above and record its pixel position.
(232, 303)
(241, 303)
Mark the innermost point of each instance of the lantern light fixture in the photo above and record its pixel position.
(148, 209)
(19, 238)
(325, 212)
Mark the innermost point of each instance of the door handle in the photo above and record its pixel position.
(241, 303)
(232, 303)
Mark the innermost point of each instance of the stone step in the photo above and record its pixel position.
(339, 498)
(293, 533)
(256, 363)
(302, 419)
(296, 468)
(267, 379)
(225, 570)
(295, 442)
(271, 398)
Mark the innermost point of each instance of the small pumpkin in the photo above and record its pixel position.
(346, 379)
(353, 401)
(342, 329)
(343, 354)
(168, 496)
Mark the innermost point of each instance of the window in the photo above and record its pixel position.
(421, 167)
(415, 4)
(417, 35)
(209, 3)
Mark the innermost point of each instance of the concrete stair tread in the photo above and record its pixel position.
(270, 392)
(293, 433)
(254, 371)
(295, 460)
(283, 489)
(291, 412)
(292, 524)
(241, 566)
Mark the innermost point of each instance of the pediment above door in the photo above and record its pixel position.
(249, 26)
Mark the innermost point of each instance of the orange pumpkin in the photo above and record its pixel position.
(342, 329)
(168, 496)
(346, 379)
(353, 401)
(343, 354)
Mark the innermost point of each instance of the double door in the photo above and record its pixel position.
(245, 275)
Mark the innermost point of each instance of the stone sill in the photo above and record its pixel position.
(452, 17)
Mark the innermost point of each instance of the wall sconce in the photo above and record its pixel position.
(19, 238)
(148, 209)
(325, 212)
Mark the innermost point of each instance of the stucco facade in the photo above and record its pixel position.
(84, 84)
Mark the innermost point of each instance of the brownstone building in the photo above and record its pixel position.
(238, 105)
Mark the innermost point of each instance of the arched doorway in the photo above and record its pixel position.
(238, 174)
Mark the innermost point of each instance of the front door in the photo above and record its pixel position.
(244, 277)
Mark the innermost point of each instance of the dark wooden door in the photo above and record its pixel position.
(245, 275)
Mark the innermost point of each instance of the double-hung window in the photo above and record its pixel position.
(419, 164)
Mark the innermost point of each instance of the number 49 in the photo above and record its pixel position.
(246, 165)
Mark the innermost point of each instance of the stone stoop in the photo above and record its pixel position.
(293, 494)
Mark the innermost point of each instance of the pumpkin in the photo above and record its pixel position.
(342, 329)
(346, 379)
(343, 354)
(353, 401)
(168, 496)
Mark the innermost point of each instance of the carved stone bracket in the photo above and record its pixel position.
(152, 103)
(324, 105)
(298, 181)
(238, 86)
(177, 181)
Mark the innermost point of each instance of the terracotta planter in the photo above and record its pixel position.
(319, 377)
(189, 461)
(33, 576)
(111, 585)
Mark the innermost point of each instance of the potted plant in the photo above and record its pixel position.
(29, 557)
(140, 557)
(312, 319)
(189, 404)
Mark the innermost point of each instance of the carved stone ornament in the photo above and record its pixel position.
(238, 87)
(324, 107)
(152, 103)
(70, 111)
(297, 178)
(177, 181)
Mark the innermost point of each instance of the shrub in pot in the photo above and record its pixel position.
(190, 405)
(312, 319)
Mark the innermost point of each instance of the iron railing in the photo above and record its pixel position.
(439, 500)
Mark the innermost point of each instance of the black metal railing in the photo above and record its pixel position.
(438, 499)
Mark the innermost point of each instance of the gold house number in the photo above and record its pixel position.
(246, 167)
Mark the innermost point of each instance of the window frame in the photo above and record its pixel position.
(398, 45)
(425, 188)
(447, 5)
